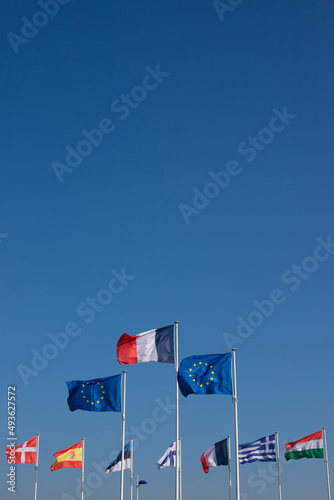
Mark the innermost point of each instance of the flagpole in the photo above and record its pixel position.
(131, 475)
(180, 467)
(83, 468)
(123, 433)
(176, 356)
(36, 465)
(229, 466)
(326, 462)
(235, 401)
(278, 468)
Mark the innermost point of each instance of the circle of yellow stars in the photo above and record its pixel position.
(87, 400)
(211, 379)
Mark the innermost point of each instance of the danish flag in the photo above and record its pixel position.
(24, 453)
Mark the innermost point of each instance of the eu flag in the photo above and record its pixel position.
(98, 394)
(205, 374)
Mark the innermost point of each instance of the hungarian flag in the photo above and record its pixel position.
(70, 457)
(311, 446)
(24, 453)
(154, 345)
(216, 455)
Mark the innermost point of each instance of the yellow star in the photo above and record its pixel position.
(190, 369)
(194, 364)
(81, 391)
(87, 400)
(206, 364)
(201, 385)
(83, 396)
(213, 373)
(83, 385)
(207, 383)
(97, 401)
(190, 375)
(97, 383)
(200, 363)
(103, 392)
(102, 385)
(211, 367)
(101, 397)
(92, 402)
(211, 378)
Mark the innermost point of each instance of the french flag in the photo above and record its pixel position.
(154, 345)
(216, 455)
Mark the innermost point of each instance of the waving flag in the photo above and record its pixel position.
(311, 446)
(168, 458)
(216, 455)
(116, 465)
(70, 457)
(263, 450)
(98, 394)
(205, 374)
(24, 453)
(154, 345)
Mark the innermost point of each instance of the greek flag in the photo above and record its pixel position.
(263, 449)
(168, 458)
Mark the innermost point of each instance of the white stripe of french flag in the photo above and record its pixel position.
(153, 345)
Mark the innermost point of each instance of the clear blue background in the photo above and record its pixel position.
(119, 209)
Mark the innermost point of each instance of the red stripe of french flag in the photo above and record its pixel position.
(127, 350)
(153, 345)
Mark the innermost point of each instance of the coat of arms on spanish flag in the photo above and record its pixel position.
(70, 457)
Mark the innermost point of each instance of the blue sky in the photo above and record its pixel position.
(208, 188)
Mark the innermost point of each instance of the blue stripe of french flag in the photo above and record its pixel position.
(153, 345)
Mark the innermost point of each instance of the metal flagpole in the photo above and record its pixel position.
(176, 356)
(36, 465)
(137, 486)
(131, 480)
(180, 468)
(83, 468)
(123, 434)
(229, 466)
(326, 462)
(278, 468)
(235, 401)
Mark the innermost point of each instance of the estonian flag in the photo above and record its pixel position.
(116, 465)
(217, 454)
(154, 345)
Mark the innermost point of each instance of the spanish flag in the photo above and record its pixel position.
(70, 457)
